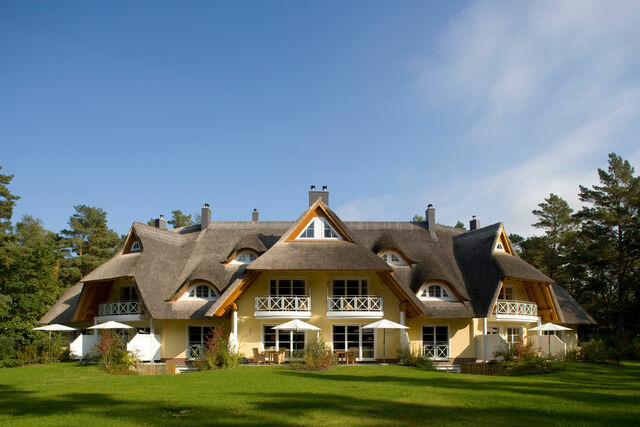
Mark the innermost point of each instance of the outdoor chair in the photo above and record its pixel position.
(352, 354)
(281, 354)
(259, 357)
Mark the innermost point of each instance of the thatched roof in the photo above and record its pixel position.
(171, 259)
(570, 311)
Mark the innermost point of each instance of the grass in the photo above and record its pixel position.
(71, 394)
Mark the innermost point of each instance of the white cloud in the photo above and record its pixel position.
(558, 79)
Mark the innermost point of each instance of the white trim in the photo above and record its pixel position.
(186, 347)
(355, 314)
(391, 253)
(262, 326)
(435, 342)
(359, 325)
(249, 252)
(187, 295)
(135, 247)
(282, 314)
(292, 278)
(446, 288)
(319, 226)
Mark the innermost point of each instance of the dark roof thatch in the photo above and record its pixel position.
(570, 311)
(171, 259)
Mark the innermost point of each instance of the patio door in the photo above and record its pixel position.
(291, 341)
(514, 335)
(197, 337)
(345, 337)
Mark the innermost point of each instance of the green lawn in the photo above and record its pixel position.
(70, 394)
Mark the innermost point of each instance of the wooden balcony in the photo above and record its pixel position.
(516, 310)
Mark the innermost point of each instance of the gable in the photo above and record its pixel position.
(318, 223)
(132, 244)
(503, 244)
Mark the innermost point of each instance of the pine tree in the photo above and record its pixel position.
(7, 202)
(611, 232)
(87, 243)
(460, 225)
(180, 220)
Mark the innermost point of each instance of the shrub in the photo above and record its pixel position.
(7, 347)
(595, 351)
(410, 358)
(216, 353)
(113, 355)
(634, 349)
(316, 356)
(521, 359)
(11, 363)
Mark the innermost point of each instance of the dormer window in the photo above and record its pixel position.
(318, 229)
(435, 292)
(245, 257)
(135, 247)
(500, 247)
(200, 292)
(392, 258)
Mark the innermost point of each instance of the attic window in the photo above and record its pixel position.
(135, 247)
(435, 292)
(500, 247)
(245, 257)
(202, 292)
(319, 229)
(392, 258)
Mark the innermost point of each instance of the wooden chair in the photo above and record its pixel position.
(352, 354)
(281, 355)
(259, 357)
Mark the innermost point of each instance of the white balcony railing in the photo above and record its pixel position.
(437, 351)
(516, 308)
(283, 303)
(194, 351)
(354, 303)
(120, 308)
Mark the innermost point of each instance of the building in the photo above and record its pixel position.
(462, 293)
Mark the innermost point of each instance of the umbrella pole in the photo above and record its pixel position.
(384, 346)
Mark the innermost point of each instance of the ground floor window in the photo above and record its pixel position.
(345, 337)
(435, 341)
(493, 330)
(514, 335)
(291, 341)
(197, 338)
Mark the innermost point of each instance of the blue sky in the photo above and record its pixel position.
(479, 108)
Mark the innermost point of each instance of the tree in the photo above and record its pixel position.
(555, 218)
(180, 220)
(460, 225)
(30, 283)
(87, 243)
(516, 241)
(7, 202)
(417, 218)
(611, 232)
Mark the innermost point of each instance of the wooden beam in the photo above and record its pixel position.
(246, 282)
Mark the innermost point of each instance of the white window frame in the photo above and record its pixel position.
(187, 343)
(435, 338)
(251, 254)
(192, 289)
(425, 288)
(271, 325)
(278, 279)
(360, 279)
(504, 290)
(136, 247)
(319, 225)
(375, 340)
(387, 256)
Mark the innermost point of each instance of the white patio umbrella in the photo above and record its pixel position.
(111, 325)
(296, 325)
(549, 327)
(55, 327)
(384, 324)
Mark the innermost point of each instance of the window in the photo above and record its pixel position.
(128, 293)
(350, 287)
(350, 336)
(273, 339)
(506, 293)
(514, 335)
(202, 292)
(493, 330)
(245, 257)
(287, 287)
(135, 247)
(435, 341)
(435, 292)
(500, 247)
(392, 258)
(197, 337)
(319, 229)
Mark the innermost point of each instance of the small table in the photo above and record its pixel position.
(341, 354)
(272, 355)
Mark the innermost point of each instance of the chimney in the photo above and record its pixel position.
(161, 223)
(474, 224)
(314, 194)
(255, 215)
(205, 218)
(430, 217)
